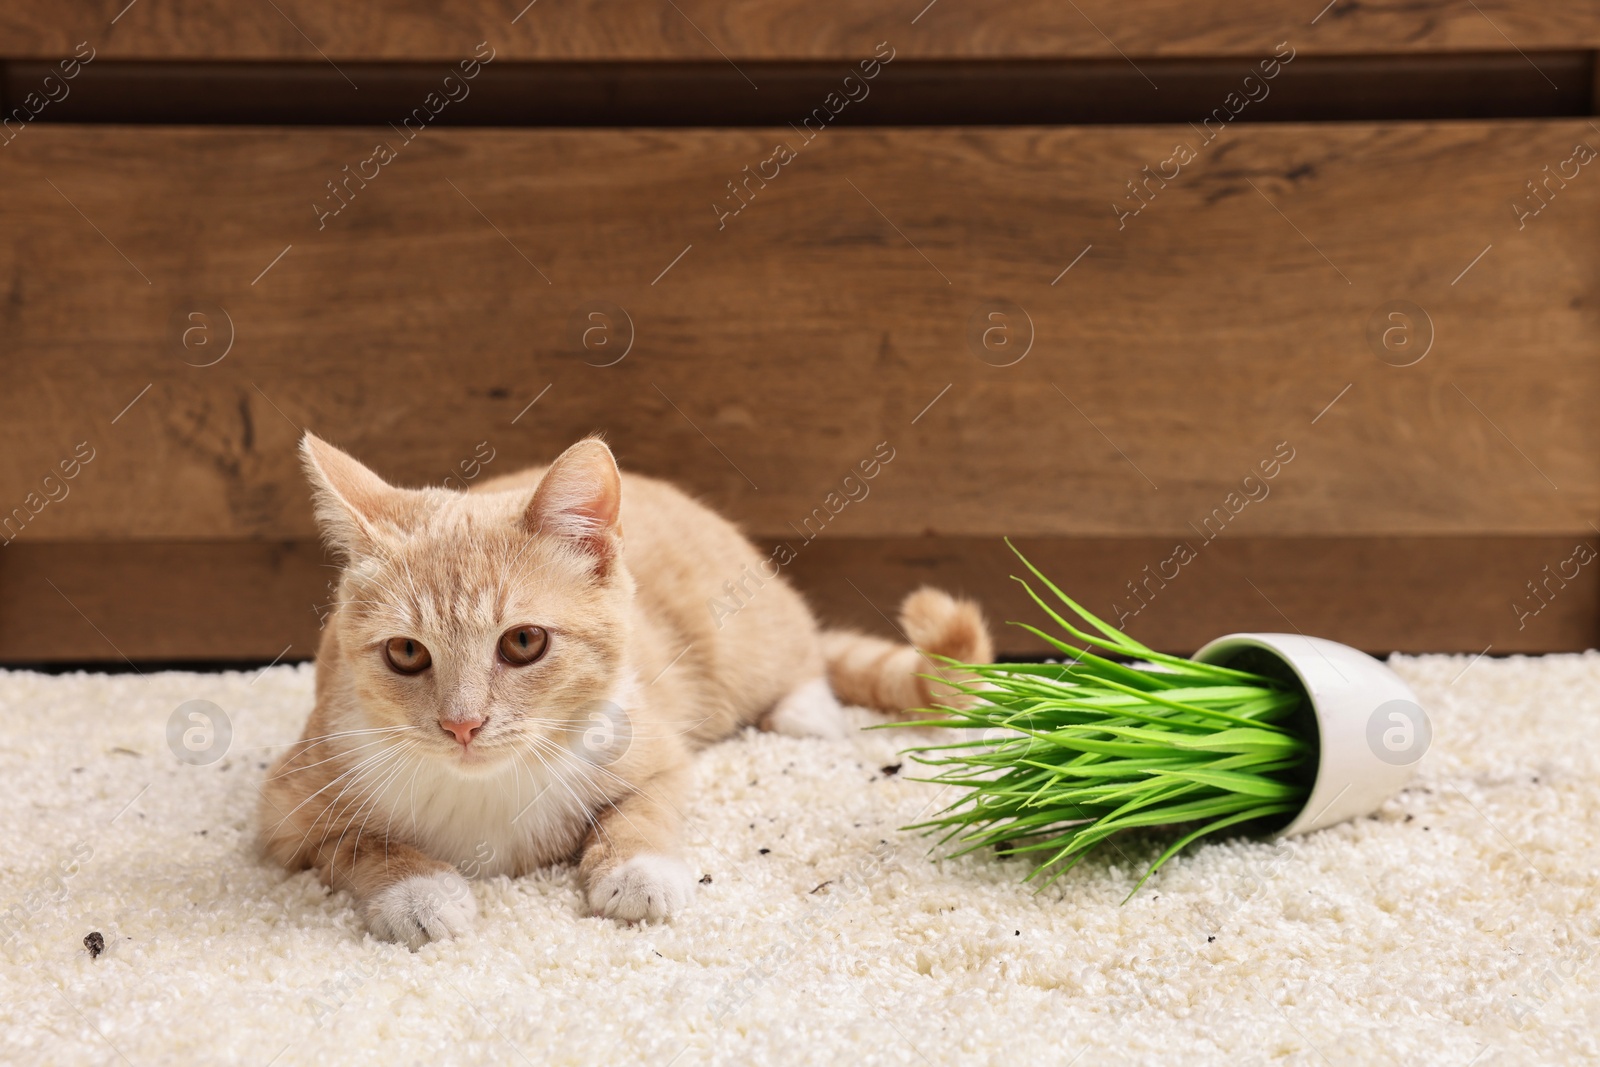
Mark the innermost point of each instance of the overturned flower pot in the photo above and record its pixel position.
(1370, 730)
(1257, 733)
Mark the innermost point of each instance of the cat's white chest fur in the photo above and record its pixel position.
(526, 813)
(532, 810)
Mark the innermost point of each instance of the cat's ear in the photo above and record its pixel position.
(580, 498)
(352, 504)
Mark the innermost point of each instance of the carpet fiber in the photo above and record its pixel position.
(1459, 926)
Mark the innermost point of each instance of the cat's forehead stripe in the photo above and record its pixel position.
(448, 586)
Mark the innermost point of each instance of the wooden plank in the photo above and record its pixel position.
(254, 601)
(843, 306)
(783, 29)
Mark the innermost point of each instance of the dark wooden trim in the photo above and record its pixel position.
(1381, 594)
(257, 601)
(908, 92)
(148, 601)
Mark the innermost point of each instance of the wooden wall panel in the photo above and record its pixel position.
(837, 310)
(244, 601)
(783, 29)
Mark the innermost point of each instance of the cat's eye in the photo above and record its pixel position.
(523, 645)
(407, 655)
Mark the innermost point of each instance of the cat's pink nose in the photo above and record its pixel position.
(463, 729)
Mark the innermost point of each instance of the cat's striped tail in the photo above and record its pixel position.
(876, 673)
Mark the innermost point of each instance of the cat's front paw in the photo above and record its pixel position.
(647, 886)
(422, 908)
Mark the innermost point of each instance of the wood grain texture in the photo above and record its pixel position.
(240, 601)
(783, 29)
(842, 307)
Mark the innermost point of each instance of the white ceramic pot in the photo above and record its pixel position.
(1371, 731)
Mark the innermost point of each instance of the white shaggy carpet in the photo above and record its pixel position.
(1458, 927)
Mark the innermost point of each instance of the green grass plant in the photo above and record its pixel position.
(1118, 737)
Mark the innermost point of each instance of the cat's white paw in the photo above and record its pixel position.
(422, 908)
(810, 710)
(648, 886)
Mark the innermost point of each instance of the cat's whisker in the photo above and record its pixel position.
(301, 767)
(517, 781)
(523, 575)
(414, 824)
(411, 580)
(591, 817)
(554, 775)
(312, 742)
(352, 773)
(326, 785)
(367, 794)
(328, 821)
(584, 767)
(631, 787)
(362, 730)
(372, 806)
(365, 789)
(370, 768)
(533, 777)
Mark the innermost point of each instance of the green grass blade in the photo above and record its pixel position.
(1061, 757)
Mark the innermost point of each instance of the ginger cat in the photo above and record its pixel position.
(507, 681)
